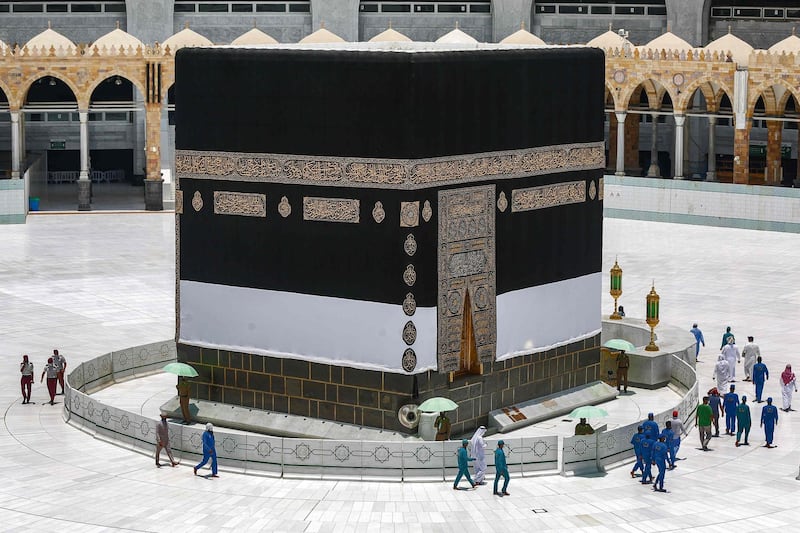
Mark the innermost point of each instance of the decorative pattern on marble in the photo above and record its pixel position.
(548, 196)
(466, 262)
(240, 203)
(388, 173)
(284, 207)
(378, 213)
(331, 209)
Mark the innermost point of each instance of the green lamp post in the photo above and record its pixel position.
(653, 302)
(616, 289)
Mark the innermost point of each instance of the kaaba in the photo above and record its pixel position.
(364, 226)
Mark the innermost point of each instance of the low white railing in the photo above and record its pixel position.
(338, 459)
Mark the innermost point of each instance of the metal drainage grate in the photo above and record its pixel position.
(538, 511)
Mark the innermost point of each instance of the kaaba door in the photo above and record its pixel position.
(468, 360)
(466, 276)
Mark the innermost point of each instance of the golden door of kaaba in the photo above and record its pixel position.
(466, 269)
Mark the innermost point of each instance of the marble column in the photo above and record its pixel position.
(621, 116)
(153, 183)
(654, 171)
(711, 173)
(679, 122)
(772, 174)
(84, 183)
(741, 154)
(742, 124)
(15, 145)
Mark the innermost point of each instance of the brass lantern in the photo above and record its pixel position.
(653, 302)
(616, 289)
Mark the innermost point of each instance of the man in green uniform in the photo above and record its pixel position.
(703, 421)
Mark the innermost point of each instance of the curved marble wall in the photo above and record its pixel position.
(338, 459)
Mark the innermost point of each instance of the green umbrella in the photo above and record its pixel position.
(438, 404)
(620, 344)
(181, 369)
(588, 411)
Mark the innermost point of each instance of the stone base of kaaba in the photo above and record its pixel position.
(373, 398)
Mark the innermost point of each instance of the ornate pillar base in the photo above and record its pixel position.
(84, 195)
(153, 199)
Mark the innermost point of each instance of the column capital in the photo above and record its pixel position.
(712, 120)
(621, 115)
(679, 119)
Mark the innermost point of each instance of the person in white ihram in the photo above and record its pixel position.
(732, 355)
(478, 446)
(750, 353)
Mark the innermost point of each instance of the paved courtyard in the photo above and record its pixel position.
(91, 283)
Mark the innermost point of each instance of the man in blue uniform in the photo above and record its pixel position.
(698, 337)
(669, 441)
(660, 460)
(636, 440)
(463, 465)
(731, 402)
(500, 468)
(647, 460)
(650, 427)
(760, 375)
(209, 451)
(743, 421)
(769, 419)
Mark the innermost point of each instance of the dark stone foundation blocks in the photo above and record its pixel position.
(372, 398)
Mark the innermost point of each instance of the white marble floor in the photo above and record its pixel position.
(90, 283)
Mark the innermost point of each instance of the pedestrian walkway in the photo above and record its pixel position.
(88, 284)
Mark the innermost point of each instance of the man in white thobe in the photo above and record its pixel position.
(750, 353)
(478, 446)
(721, 372)
(731, 354)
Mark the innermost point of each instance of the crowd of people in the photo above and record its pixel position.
(737, 413)
(54, 370)
(656, 448)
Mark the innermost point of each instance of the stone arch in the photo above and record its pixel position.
(122, 73)
(9, 94)
(80, 95)
(610, 92)
(719, 94)
(784, 99)
(767, 93)
(654, 90)
(705, 86)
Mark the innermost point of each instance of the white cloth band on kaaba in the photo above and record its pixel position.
(368, 335)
